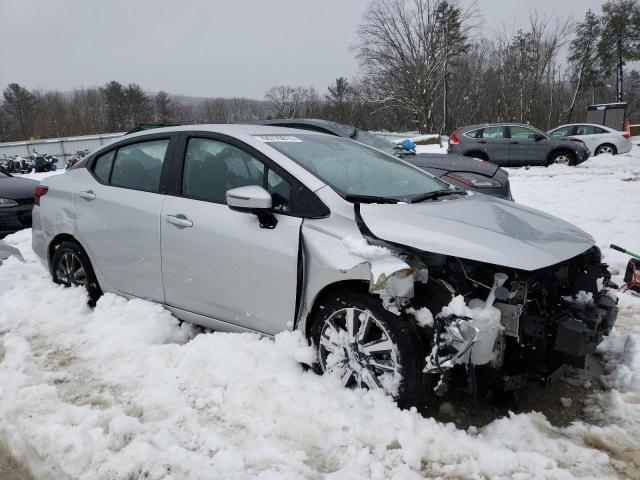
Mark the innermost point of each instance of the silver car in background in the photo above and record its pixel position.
(398, 279)
(598, 138)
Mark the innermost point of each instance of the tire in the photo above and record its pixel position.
(70, 266)
(606, 148)
(361, 359)
(563, 157)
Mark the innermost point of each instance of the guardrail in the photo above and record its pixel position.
(63, 148)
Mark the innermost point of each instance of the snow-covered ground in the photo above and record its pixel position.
(124, 392)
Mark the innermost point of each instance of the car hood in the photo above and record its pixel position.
(570, 142)
(452, 163)
(479, 227)
(17, 188)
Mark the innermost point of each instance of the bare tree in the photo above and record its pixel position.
(404, 49)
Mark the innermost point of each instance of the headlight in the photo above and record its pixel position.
(473, 180)
(7, 202)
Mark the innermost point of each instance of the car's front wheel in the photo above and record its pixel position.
(71, 267)
(365, 346)
(563, 158)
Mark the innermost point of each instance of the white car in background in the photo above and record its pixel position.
(598, 138)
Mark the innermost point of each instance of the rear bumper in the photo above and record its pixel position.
(14, 219)
(625, 147)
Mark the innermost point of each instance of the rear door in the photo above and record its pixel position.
(220, 263)
(118, 215)
(591, 136)
(525, 148)
(494, 141)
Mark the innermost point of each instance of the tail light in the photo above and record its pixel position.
(39, 192)
(627, 130)
(453, 139)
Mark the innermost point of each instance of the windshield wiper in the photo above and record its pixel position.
(436, 194)
(369, 199)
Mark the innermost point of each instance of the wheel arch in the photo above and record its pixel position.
(59, 239)
(354, 285)
(559, 150)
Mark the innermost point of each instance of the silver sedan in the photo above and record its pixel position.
(262, 229)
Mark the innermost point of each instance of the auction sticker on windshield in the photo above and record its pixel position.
(277, 138)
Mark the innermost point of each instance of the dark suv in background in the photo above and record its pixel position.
(515, 145)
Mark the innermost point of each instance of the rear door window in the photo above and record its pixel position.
(139, 166)
(493, 132)
(585, 130)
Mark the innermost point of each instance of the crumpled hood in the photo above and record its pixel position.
(479, 227)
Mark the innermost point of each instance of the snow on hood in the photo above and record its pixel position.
(479, 227)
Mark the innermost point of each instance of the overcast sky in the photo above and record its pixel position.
(203, 47)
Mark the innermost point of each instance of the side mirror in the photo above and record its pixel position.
(537, 137)
(253, 199)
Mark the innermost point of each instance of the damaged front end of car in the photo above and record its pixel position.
(502, 326)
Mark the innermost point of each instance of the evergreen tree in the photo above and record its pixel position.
(20, 103)
(620, 39)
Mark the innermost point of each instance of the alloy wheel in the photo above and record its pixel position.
(356, 347)
(605, 149)
(70, 270)
(563, 159)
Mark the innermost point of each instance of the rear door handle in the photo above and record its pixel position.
(179, 220)
(514, 143)
(87, 195)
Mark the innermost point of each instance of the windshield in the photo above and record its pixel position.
(353, 169)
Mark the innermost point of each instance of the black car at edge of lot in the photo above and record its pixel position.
(16, 202)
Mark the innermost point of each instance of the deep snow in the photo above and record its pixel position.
(124, 391)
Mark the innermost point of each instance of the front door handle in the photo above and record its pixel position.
(179, 221)
(87, 195)
(514, 143)
(482, 141)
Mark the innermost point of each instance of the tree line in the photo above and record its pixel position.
(424, 65)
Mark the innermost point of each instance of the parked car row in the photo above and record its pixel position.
(516, 145)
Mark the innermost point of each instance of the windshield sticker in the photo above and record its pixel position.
(277, 138)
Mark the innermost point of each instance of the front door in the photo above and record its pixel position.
(118, 217)
(218, 262)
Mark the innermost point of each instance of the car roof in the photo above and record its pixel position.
(585, 123)
(500, 124)
(233, 129)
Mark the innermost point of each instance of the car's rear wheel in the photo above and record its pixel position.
(606, 148)
(71, 267)
(365, 346)
(563, 158)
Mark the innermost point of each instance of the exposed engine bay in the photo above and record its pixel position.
(512, 325)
